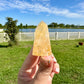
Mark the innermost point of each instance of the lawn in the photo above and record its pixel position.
(70, 58)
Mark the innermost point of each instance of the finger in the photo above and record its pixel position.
(46, 62)
(31, 72)
(34, 70)
(56, 68)
(45, 67)
(52, 74)
(54, 59)
(30, 61)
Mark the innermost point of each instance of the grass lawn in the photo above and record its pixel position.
(70, 58)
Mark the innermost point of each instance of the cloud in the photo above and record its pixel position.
(3, 5)
(81, 11)
(41, 0)
(24, 6)
(81, 5)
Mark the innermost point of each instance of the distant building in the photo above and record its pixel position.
(1, 30)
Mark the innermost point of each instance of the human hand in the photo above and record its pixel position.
(38, 70)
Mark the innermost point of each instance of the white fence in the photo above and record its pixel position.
(1, 30)
(29, 36)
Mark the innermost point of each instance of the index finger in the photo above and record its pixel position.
(30, 61)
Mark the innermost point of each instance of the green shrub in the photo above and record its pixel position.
(11, 30)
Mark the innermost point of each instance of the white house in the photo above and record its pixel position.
(1, 30)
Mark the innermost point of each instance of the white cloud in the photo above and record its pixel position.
(81, 11)
(3, 5)
(40, 0)
(81, 5)
(38, 8)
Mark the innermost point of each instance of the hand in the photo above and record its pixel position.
(38, 70)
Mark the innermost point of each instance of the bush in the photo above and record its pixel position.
(12, 43)
(12, 30)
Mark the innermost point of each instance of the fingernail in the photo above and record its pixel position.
(57, 70)
(55, 60)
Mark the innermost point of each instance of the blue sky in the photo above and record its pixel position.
(33, 11)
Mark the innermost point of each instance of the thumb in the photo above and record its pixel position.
(45, 67)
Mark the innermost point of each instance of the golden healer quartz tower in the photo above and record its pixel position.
(41, 46)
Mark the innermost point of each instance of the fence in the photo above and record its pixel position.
(29, 36)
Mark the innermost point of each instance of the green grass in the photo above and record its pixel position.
(70, 58)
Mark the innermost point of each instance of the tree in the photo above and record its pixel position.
(61, 25)
(53, 24)
(72, 25)
(1, 26)
(11, 30)
(26, 26)
(21, 26)
(67, 26)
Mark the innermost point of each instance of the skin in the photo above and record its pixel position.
(38, 70)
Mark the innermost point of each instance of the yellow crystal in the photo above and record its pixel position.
(41, 46)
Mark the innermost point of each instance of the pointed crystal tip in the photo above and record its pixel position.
(42, 23)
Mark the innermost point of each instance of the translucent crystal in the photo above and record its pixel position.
(41, 46)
